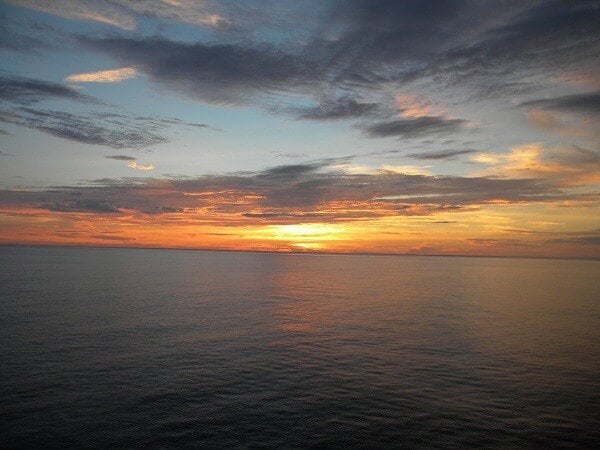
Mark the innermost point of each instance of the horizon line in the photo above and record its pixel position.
(295, 253)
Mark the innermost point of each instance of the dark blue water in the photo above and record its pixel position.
(131, 348)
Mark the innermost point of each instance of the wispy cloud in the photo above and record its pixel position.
(116, 130)
(124, 14)
(27, 91)
(104, 76)
(85, 128)
(131, 162)
(442, 154)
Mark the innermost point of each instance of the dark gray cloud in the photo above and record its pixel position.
(313, 191)
(152, 122)
(337, 109)
(414, 127)
(84, 128)
(362, 49)
(121, 157)
(88, 205)
(346, 44)
(369, 49)
(27, 91)
(216, 73)
(116, 130)
(442, 154)
(585, 103)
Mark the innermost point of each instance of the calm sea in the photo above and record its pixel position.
(132, 348)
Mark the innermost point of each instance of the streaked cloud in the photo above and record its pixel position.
(104, 76)
(85, 128)
(414, 127)
(585, 103)
(124, 14)
(113, 129)
(121, 157)
(442, 154)
(26, 91)
(315, 191)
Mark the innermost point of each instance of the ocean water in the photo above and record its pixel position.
(132, 348)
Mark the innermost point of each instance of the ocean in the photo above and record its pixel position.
(105, 347)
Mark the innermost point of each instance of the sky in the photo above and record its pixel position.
(460, 127)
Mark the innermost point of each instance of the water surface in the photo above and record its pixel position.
(127, 348)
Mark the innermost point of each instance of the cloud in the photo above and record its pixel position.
(86, 206)
(27, 91)
(414, 127)
(214, 73)
(347, 46)
(121, 157)
(337, 109)
(360, 59)
(563, 165)
(136, 166)
(413, 106)
(463, 43)
(84, 128)
(132, 162)
(112, 129)
(442, 154)
(103, 76)
(91, 10)
(544, 120)
(124, 14)
(583, 103)
(311, 192)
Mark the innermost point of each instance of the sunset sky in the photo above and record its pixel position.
(427, 127)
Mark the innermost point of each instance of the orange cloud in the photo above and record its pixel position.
(136, 166)
(103, 76)
(309, 207)
(413, 106)
(564, 165)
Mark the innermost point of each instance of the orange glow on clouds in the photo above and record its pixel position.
(491, 230)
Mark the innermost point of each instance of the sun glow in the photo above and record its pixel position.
(303, 236)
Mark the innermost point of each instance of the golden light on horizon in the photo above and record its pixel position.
(305, 236)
